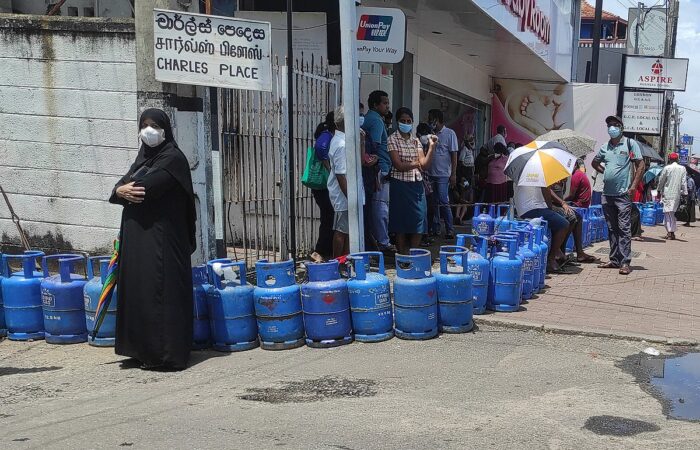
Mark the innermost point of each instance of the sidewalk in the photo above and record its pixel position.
(660, 298)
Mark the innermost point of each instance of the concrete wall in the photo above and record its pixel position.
(68, 121)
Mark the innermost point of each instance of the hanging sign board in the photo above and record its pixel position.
(211, 50)
(659, 74)
(687, 140)
(642, 112)
(381, 35)
(683, 157)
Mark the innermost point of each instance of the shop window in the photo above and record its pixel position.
(72, 11)
(89, 12)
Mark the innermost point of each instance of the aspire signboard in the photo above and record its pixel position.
(659, 74)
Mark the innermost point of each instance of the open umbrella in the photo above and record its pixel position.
(652, 173)
(649, 152)
(578, 144)
(107, 290)
(539, 163)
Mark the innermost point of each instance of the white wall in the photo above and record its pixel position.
(68, 121)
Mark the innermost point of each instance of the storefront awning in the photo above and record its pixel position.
(487, 35)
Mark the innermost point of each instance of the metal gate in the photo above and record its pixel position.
(254, 162)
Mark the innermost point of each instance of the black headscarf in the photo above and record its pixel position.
(168, 156)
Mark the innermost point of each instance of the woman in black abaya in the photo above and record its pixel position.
(154, 287)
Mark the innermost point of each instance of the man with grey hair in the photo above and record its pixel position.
(338, 185)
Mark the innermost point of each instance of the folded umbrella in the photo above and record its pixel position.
(540, 163)
(578, 144)
(107, 290)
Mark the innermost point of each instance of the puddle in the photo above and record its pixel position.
(678, 380)
(307, 391)
(672, 379)
(618, 426)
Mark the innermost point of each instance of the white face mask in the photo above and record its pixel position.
(151, 136)
(361, 120)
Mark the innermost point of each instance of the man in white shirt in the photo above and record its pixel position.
(499, 139)
(536, 202)
(338, 186)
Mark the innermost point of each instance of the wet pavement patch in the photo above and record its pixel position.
(672, 379)
(618, 426)
(307, 391)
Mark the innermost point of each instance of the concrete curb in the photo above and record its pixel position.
(582, 331)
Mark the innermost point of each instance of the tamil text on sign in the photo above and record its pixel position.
(211, 50)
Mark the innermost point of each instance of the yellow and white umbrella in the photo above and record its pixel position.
(540, 163)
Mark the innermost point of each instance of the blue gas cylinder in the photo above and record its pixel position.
(585, 227)
(326, 306)
(21, 293)
(529, 256)
(483, 223)
(415, 296)
(479, 268)
(91, 295)
(3, 327)
(596, 226)
(544, 246)
(503, 222)
(62, 301)
(201, 329)
(539, 250)
(454, 287)
(659, 213)
(506, 273)
(231, 307)
(370, 299)
(649, 215)
(278, 306)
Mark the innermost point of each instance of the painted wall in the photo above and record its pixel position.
(68, 121)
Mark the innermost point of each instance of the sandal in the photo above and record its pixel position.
(625, 269)
(608, 265)
(559, 271)
(588, 259)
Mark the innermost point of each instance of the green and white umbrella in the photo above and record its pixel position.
(540, 163)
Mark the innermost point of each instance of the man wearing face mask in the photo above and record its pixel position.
(622, 171)
(442, 172)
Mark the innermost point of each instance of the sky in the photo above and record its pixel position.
(687, 46)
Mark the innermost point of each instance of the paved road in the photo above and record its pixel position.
(496, 388)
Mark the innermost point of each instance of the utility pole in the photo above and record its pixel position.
(639, 25)
(189, 111)
(671, 33)
(597, 26)
(351, 95)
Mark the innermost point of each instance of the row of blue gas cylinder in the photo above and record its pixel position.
(491, 219)
(59, 308)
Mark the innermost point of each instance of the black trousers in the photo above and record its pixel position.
(324, 244)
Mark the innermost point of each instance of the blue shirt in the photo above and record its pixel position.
(376, 130)
(617, 177)
(441, 165)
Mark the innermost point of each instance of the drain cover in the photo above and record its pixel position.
(606, 251)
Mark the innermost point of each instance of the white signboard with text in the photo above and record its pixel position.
(660, 74)
(381, 35)
(642, 112)
(211, 50)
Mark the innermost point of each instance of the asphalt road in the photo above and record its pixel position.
(496, 388)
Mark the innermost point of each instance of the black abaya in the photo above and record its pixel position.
(154, 287)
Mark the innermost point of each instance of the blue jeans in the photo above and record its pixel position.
(441, 204)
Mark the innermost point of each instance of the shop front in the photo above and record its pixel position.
(460, 53)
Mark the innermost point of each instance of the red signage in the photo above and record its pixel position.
(531, 17)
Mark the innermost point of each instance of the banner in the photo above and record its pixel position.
(659, 74)
(211, 51)
(643, 112)
(381, 35)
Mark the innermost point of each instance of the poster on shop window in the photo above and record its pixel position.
(530, 109)
(211, 50)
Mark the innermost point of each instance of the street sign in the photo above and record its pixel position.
(683, 156)
(381, 35)
(642, 112)
(211, 50)
(687, 140)
(659, 74)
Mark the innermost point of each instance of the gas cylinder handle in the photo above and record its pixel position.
(380, 263)
(500, 208)
(66, 265)
(358, 266)
(27, 259)
(240, 265)
(210, 267)
(452, 250)
(477, 208)
(492, 210)
(91, 268)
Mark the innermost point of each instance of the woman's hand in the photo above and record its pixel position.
(131, 193)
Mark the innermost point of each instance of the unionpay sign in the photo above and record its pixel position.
(381, 35)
